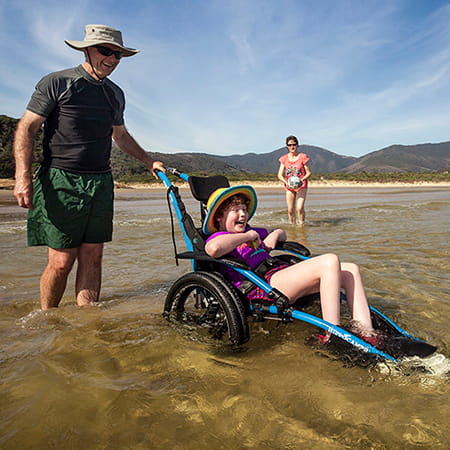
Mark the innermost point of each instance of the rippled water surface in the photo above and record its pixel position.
(119, 376)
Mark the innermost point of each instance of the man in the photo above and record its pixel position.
(70, 202)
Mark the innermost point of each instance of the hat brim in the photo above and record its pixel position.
(208, 224)
(81, 45)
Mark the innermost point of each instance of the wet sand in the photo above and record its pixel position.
(7, 183)
(121, 376)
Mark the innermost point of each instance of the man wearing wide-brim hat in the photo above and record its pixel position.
(70, 203)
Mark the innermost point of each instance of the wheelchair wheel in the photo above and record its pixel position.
(235, 297)
(206, 300)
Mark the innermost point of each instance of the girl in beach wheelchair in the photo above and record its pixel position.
(240, 271)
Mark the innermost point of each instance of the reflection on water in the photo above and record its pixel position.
(119, 376)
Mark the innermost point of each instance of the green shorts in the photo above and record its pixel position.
(71, 208)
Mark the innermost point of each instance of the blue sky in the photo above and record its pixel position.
(233, 77)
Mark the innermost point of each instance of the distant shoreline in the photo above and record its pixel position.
(349, 184)
(312, 184)
(8, 184)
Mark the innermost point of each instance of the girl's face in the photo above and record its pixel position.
(234, 218)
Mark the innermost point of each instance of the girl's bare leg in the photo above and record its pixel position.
(319, 274)
(356, 297)
(326, 275)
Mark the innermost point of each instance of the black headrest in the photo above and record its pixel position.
(203, 187)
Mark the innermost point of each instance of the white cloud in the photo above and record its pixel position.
(232, 77)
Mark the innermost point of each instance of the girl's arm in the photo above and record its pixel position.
(307, 172)
(280, 174)
(226, 243)
(275, 236)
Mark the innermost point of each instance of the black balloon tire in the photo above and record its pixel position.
(229, 315)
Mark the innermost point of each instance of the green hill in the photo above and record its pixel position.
(7, 129)
(393, 159)
(321, 160)
(404, 158)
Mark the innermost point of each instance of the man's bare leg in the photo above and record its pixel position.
(89, 273)
(54, 277)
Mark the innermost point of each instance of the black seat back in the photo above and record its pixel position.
(203, 187)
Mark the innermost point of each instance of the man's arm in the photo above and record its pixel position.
(127, 143)
(26, 132)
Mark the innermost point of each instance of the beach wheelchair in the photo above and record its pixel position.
(205, 298)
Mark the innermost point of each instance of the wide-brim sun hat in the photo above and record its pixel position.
(101, 34)
(222, 194)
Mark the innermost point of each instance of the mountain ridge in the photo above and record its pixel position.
(428, 157)
(324, 159)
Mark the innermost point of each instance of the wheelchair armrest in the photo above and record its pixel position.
(294, 247)
(200, 256)
(203, 256)
(235, 262)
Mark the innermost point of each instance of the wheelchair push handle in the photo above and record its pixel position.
(173, 171)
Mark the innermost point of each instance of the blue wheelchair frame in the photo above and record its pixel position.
(279, 307)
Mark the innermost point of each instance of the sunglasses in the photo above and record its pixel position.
(106, 51)
(292, 145)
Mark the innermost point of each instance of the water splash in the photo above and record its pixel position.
(427, 371)
(39, 319)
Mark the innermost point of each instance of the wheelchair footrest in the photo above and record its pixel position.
(261, 311)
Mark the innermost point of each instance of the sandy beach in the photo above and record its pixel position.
(8, 183)
(314, 183)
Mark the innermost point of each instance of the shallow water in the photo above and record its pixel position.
(119, 376)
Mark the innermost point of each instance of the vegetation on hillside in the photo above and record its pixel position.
(7, 127)
(403, 177)
(128, 170)
(397, 177)
(7, 130)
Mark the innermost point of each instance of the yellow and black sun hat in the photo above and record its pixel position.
(222, 194)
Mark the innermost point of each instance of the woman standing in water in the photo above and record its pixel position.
(294, 173)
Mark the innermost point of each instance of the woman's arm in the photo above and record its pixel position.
(307, 172)
(280, 174)
(226, 243)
